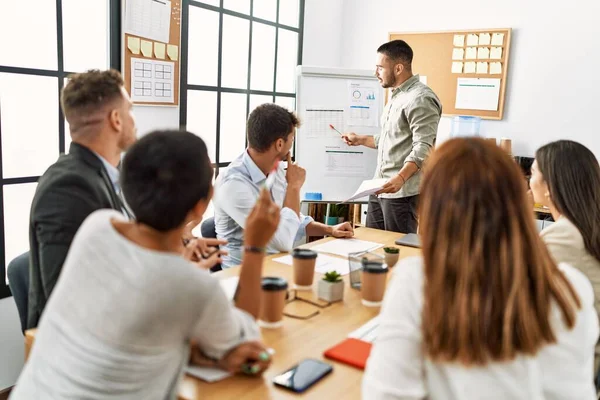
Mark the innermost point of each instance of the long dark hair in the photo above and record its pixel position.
(489, 279)
(572, 173)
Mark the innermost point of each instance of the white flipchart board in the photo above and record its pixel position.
(352, 101)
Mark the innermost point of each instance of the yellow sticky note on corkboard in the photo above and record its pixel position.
(172, 51)
(133, 44)
(159, 50)
(146, 48)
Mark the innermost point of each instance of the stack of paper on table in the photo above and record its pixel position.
(367, 188)
(343, 247)
(208, 374)
(324, 264)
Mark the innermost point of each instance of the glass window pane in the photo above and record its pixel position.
(216, 3)
(287, 60)
(85, 40)
(289, 12)
(203, 50)
(265, 9)
(235, 52)
(202, 118)
(263, 57)
(28, 32)
(233, 126)
(17, 204)
(258, 99)
(241, 6)
(287, 102)
(29, 145)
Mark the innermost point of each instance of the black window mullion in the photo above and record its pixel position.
(219, 77)
(249, 68)
(276, 45)
(114, 30)
(183, 73)
(4, 290)
(61, 68)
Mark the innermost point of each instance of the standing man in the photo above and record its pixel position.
(409, 128)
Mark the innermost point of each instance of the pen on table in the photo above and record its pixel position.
(333, 127)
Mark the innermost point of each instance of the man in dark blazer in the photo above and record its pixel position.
(99, 112)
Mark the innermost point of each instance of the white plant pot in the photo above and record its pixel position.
(331, 291)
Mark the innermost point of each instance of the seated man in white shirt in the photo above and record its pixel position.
(271, 130)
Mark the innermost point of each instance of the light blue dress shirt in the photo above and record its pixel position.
(236, 192)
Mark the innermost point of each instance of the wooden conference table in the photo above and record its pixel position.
(300, 339)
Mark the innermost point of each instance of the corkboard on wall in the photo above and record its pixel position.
(163, 59)
(436, 52)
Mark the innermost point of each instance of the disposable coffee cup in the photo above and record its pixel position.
(374, 278)
(304, 261)
(274, 290)
(506, 145)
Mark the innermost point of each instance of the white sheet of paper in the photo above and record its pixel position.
(149, 19)
(207, 374)
(472, 39)
(478, 94)
(367, 188)
(496, 53)
(471, 53)
(482, 68)
(484, 39)
(497, 39)
(457, 67)
(423, 79)
(458, 54)
(324, 263)
(459, 40)
(345, 162)
(317, 120)
(470, 67)
(495, 68)
(152, 81)
(229, 286)
(343, 247)
(363, 104)
(483, 53)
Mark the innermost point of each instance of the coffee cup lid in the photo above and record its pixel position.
(304, 254)
(374, 267)
(274, 283)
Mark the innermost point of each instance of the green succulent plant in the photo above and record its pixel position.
(332, 276)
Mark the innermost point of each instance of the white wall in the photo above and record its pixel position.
(322, 33)
(553, 78)
(12, 345)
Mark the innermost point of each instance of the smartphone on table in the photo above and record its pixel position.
(303, 375)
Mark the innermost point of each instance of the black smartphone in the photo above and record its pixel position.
(303, 375)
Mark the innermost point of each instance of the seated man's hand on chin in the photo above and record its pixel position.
(343, 230)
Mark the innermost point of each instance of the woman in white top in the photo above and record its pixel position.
(485, 313)
(565, 177)
(127, 305)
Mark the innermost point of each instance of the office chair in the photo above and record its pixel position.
(18, 281)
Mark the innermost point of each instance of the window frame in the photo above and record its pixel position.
(114, 31)
(219, 89)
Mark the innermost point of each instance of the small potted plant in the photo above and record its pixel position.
(331, 287)
(391, 255)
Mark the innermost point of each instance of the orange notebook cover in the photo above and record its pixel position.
(351, 351)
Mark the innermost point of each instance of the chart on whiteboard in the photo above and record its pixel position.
(318, 122)
(363, 104)
(342, 162)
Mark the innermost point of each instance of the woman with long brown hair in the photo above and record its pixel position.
(485, 313)
(565, 177)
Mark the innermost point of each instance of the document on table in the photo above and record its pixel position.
(208, 374)
(229, 286)
(343, 247)
(324, 264)
(367, 188)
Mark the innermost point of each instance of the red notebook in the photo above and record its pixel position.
(351, 351)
